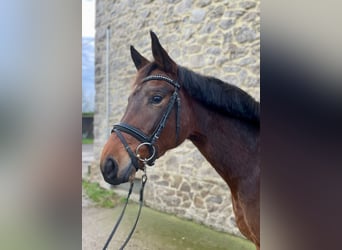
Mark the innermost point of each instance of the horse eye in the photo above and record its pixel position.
(157, 99)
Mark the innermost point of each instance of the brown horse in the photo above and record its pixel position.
(169, 104)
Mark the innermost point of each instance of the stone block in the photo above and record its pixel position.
(176, 181)
(244, 34)
(185, 187)
(208, 28)
(247, 4)
(193, 49)
(214, 50)
(214, 199)
(217, 12)
(162, 183)
(203, 3)
(246, 61)
(197, 15)
(234, 13)
(198, 202)
(227, 23)
(183, 7)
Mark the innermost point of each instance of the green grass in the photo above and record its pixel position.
(87, 140)
(87, 114)
(102, 197)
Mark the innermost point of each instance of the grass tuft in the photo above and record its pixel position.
(102, 197)
(87, 140)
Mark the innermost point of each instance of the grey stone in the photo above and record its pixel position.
(256, 50)
(217, 12)
(100, 35)
(214, 51)
(243, 75)
(204, 193)
(98, 59)
(193, 49)
(232, 69)
(244, 34)
(246, 61)
(145, 13)
(186, 204)
(221, 61)
(183, 6)
(185, 187)
(166, 176)
(228, 37)
(252, 82)
(187, 34)
(212, 208)
(203, 3)
(163, 183)
(173, 1)
(198, 202)
(227, 23)
(186, 170)
(236, 52)
(184, 196)
(98, 70)
(180, 211)
(197, 61)
(231, 79)
(175, 53)
(208, 28)
(172, 160)
(197, 15)
(255, 69)
(234, 13)
(251, 16)
(176, 181)
(196, 186)
(100, 10)
(248, 4)
(216, 199)
(172, 201)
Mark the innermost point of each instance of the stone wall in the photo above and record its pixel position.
(212, 37)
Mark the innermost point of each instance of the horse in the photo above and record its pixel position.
(169, 104)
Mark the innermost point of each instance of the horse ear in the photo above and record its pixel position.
(161, 57)
(139, 60)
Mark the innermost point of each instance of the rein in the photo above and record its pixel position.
(141, 199)
(148, 141)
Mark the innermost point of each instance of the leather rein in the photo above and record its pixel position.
(147, 141)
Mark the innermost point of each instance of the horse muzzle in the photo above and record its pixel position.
(113, 175)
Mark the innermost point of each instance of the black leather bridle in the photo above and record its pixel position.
(150, 140)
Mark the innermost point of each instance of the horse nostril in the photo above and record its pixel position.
(110, 168)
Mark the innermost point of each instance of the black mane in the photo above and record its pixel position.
(220, 96)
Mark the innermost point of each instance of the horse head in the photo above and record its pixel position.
(155, 120)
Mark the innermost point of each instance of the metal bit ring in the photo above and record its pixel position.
(148, 145)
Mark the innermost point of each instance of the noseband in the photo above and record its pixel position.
(149, 141)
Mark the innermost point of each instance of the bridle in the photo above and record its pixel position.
(150, 140)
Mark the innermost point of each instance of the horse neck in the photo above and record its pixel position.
(230, 145)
